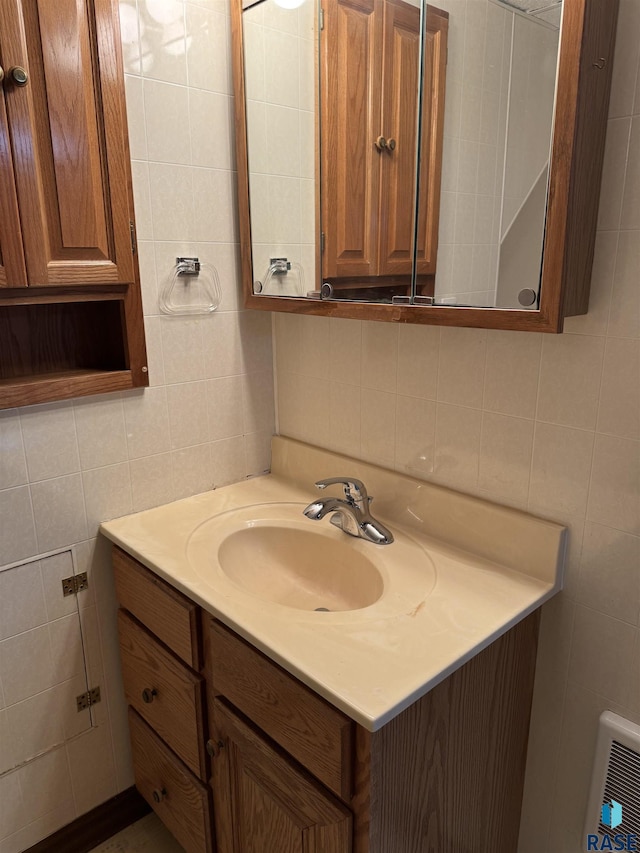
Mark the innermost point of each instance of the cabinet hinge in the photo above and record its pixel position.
(74, 584)
(322, 242)
(321, 18)
(132, 231)
(86, 700)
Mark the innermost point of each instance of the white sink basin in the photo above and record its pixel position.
(273, 553)
(300, 568)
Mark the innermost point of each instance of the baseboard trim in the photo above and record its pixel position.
(96, 826)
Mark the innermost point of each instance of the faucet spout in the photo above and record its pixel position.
(350, 514)
(318, 509)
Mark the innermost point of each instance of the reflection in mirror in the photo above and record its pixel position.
(370, 86)
(333, 120)
(498, 122)
(280, 47)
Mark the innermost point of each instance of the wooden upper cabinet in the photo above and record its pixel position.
(67, 132)
(370, 62)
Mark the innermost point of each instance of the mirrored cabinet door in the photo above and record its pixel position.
(281, 78)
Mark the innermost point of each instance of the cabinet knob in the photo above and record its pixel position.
(1, 73)
(383, 144)
(19, 75)
(148, 694)
(159, 794)
(213, 748)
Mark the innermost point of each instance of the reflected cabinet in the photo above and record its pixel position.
(421, 163)
(367, 215)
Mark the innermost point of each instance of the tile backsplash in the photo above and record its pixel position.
(549, 424)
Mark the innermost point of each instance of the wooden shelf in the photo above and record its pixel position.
(62, 385)
(57, 295)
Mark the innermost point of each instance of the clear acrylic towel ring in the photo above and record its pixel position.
(283, 278)
(193, 288)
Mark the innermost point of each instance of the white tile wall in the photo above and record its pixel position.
(42, 670)
(549, 424)
(206, 420)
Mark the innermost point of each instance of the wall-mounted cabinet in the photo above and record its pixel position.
(70, 308)
(481, 212)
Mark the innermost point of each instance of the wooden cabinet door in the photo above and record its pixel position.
(263, 802)
(351, 63)
(67, 128)
(12, 268)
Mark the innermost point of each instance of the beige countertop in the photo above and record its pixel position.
(464, 571)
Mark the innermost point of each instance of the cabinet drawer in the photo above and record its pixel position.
(168, 614)
(312, 731)
(168, 695)
(181, 801)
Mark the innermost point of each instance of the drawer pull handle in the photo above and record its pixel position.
(159, 795)
(213, 748)
(148, 695)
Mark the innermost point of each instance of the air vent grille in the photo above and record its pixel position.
(622, 784)
(616, 778)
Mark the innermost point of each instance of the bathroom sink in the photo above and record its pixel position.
(459, 573)
(300, 568)
(272, 553)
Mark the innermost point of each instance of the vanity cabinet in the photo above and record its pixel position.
(288, 771)
(370, 55)
(160, 646)
(70, 308)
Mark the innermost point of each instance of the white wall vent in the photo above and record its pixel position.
(616, 777)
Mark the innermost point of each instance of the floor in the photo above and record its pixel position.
(145, 836)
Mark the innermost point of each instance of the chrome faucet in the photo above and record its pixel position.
(350, 514)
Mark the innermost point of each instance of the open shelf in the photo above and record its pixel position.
(57, 350)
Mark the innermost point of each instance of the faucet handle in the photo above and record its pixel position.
(349, 484)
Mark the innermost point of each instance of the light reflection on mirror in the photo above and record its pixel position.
(487, 196)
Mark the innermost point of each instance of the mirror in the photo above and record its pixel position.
(404, 162)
